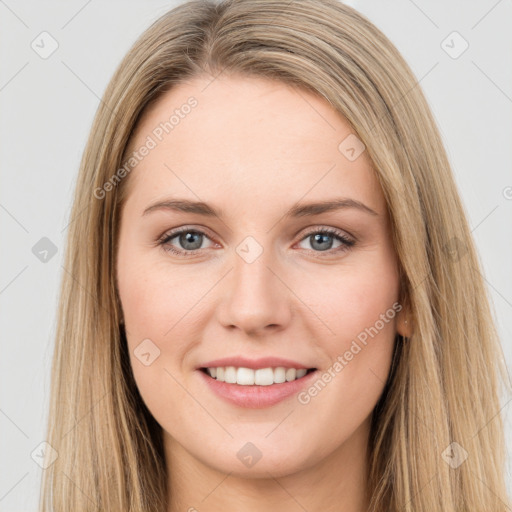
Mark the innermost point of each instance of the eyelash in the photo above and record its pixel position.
(347, 243)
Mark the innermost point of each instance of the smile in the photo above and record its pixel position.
(260, 377)
(257, 389)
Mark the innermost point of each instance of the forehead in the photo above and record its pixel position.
(251, 137)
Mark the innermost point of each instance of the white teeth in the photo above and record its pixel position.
(230, 375)
(245, 376)
(264, 377)
(291, 374)
(279, 375)
(261, 377)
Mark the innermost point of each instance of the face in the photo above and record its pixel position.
(264, 276)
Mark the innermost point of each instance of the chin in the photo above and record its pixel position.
(253, 460)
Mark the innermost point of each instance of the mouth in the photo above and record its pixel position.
(255, 388)
(261, 377)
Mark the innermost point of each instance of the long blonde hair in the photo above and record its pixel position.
(445, 381)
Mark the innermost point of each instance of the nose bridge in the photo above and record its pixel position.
(256, 298)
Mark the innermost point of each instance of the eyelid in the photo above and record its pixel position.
(170, 234)
(347, 240)
(307, 231)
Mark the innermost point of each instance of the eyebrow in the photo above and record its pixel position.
(297, 210)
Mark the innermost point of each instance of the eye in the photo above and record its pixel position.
(322, 240)
(191, 240)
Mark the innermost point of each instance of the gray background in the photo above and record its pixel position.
(47, 106)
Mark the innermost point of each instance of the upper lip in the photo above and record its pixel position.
(255, 364)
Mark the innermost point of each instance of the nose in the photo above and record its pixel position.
(257, 301)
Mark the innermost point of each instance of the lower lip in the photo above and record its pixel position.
(256, 397)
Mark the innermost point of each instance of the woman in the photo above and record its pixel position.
(272, 298)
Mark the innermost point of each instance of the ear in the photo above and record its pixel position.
(404, 318)
(404, 322)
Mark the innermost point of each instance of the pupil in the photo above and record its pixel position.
(318, 237)
(189, 239)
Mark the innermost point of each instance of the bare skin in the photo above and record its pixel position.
(255, 148)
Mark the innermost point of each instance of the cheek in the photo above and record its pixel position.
(354, 298)
(155, 301)
(153, 321)
(357, 308)
(160, 311)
